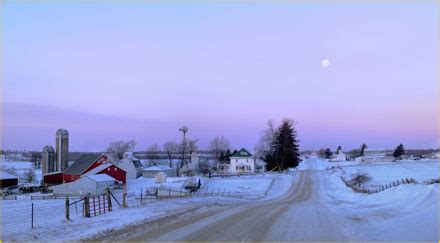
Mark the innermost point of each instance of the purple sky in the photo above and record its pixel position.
(141, 70)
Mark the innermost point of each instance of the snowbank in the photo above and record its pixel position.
(406, 212)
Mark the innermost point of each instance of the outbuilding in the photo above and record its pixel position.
(87, 184)
(152, 171)
(131, 165)
(7, 180)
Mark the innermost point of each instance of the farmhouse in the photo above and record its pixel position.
(243, 161)
(104, 164)
(7, 180)
(93, 184)
(131, 165)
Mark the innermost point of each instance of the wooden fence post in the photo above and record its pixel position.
(141, 196)
(124, 203)
(87, 207)
(109, 201)
(67, 208)
(32, 217)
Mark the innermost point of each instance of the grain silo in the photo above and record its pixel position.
(62, 149)
(48, 159)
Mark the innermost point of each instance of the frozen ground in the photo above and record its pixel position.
(327, 209)
(49, 222)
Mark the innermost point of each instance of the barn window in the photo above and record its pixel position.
(116, 169)
(108, 169)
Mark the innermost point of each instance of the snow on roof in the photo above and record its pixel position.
(158, 168)
(100, 177)
(98, 169)
(6, 176)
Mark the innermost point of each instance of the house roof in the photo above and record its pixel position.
(100, 177)
(81, 164)
(241, 153)
(6, 176)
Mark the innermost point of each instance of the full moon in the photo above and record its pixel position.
(325, 63)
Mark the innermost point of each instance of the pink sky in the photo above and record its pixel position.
(142, 70)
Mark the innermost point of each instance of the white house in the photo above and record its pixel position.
(243, 161)
(93, 184)
(131, 165)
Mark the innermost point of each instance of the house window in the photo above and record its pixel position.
(108, 169)
(236, 161)
(116, 169)
(236, 167)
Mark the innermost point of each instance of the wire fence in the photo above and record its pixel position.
(376, 189)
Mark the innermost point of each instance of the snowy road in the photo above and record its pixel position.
(299, 215)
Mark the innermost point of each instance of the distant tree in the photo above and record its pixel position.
(363, 147)
(153, 153)
(170, 149)
(185, 149)
(118, 148)
(285, 146)
(29, 175)
(227, 155)
(204, 166)
(328, 153)
(36, 158)
(338, 149)
(399, 151)
(321, 153)
(219, 146)
(264, 146)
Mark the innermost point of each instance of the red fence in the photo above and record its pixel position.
(99, 205)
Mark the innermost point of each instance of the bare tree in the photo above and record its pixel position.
(118, 148)
(268, 135)
(170, 149)
(29, 175)
(153, 153)
(218, 146)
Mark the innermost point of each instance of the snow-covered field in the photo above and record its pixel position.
(21, 167)
(49, 222)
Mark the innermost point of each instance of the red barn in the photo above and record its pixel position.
(88, 162)
(7, 180)
(53, 178)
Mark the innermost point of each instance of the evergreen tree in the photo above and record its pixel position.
(222, 157)
(338, 149)
(328, 153)
(363, 147)
(399, 151)
(285, 146)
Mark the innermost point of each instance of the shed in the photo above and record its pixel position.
(7, 180)
(93, 184)
(152, 171)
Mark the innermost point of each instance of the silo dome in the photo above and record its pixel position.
(48, 149)
(62, 131)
